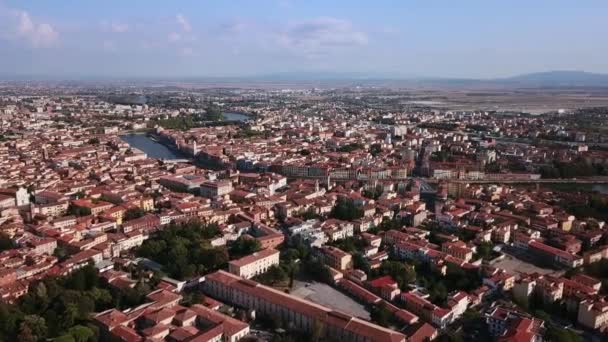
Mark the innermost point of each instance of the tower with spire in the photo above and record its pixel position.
(388, 139)
(45, 153)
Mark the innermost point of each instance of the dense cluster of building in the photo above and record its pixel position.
(72, 192)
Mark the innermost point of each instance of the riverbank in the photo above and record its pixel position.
(238, 116)
(152, 147)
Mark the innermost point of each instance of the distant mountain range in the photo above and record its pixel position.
(538, 79)
(557, 78)
(560, 78)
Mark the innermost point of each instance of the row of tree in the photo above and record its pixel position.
(596, 206)
(572, 170)
(188, 121)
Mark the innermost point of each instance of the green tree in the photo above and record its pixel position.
(10, 316)
(403, 274)
(274, 275)
(184, 249)
(451, 336)
(36, 325)
(152, 248)
(214, 113)
(60, 253)
(244, 246)
(25, 334)
(458, 278)
(78, 211)
(484, 250)
(102, 297)
(64, 338)
(556, 334)
(193, 297)
(375, 149)
(6, 242)
(81, 333)
(388, 224)
(134, 213)
(360, 262)
(290, 255)
(346, 210)
(318, 271)
(381, 314)
(350, 147)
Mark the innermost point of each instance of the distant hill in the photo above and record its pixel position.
(547, 79)
(559, 78)
(538, 79)
(328, 75)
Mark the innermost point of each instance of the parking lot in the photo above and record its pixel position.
(328, 296)
(516, 263)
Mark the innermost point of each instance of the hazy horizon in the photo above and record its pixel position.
(197, 39)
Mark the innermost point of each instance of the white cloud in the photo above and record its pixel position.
(320, 36)
(38, 35)
(183, 23)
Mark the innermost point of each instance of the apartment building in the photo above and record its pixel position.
(336, 258)
(510, 325)
(254, 264)
(301, 314)
(96, 208)
(554, 255)
(163, 319)
(593, 314)
(212, 189)
(428, 311)
(50, 210)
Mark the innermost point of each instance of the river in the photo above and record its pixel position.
(157, 150)
(230, 116)
(152, 148)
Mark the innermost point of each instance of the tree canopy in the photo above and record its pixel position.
(557, 334)
(78, 211)
(57, 307)
(403, 274)
(6, 242)
(214, 113)
(346, 210)
(134, 213)
(244, 246)
(184, 250)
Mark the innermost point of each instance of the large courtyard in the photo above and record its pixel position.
(328, 296)
(518, 263)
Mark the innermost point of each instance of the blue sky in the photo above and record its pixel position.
(150, 38)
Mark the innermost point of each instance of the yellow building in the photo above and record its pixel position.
(147, 204)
